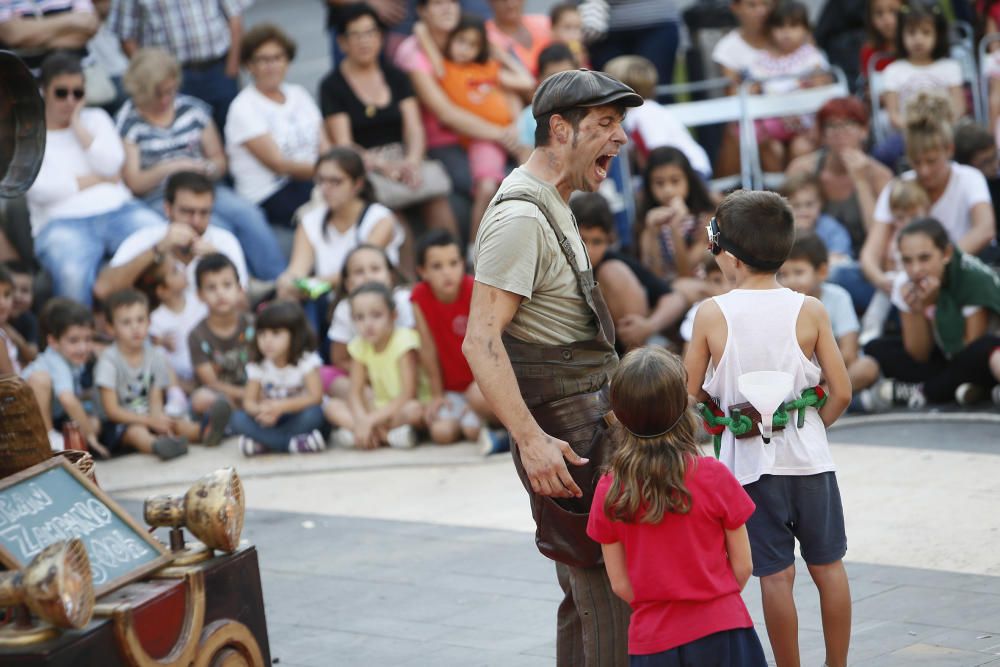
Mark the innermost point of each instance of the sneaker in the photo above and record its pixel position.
(877, 398)
(995, 395)
(56, 441)
(910, 394)
(213, 427)
(402, 437)
(167, 447)
(493, 441)
(342, 438)
(176, 405)
(968, 393)
(249, 447)
(307, 443)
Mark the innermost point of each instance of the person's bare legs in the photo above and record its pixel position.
(864, 372)
(445, 431)
(835, 608)
(772, 156)
(202, 400)
(41, 386)
(780, 616)
(139, 438)
(338, 413)
(187, 429)
(995, 364)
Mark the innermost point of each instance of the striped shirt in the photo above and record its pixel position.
(630, 14)
(38, 9)
(192, 30)
(156, 144)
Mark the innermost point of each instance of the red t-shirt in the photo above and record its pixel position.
(868, 51)
(684, 586)
(447, 322)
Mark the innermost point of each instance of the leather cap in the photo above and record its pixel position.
(581, 88)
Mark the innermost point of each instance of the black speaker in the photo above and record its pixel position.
(22, 126)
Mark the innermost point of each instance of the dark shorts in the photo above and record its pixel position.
(111, 435)
(739, 647)
(805, 508)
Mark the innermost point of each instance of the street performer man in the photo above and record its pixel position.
(540, 342)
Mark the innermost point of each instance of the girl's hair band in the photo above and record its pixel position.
(643, 436)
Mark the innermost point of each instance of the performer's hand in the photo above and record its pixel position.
(542, 457)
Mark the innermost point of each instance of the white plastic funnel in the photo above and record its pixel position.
(766, 391)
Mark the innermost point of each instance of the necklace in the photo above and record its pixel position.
(370, 111)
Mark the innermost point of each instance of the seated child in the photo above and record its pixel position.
(281, 404)
(59, 376)
(805, 271)
(763, 327)
(131, 375)
(641, 303)
(174, 315)
(220, 345)
(652, 125)
(441, 303)
(790, 62)
(487, 82)
(567, 28)
(672, 525)
(384, 356)
(22, 319)
(364, 264)
(716, 284)
(806, 197)
(9, 354)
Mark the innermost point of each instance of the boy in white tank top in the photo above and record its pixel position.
(761, 326)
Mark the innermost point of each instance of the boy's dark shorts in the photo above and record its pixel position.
(806, 508)
(111, 435)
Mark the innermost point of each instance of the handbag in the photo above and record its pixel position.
(434, 181)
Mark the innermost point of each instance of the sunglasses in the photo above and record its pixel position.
(63, 93)
(712, 229)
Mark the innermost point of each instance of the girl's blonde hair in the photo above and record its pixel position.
(149, 68)
(906, 195)
(656, 435)
(929, 123)
(636, 72)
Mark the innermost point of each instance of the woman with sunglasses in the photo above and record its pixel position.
(166, 133)
(80, 210)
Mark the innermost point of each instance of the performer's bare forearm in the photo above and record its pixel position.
(493, 372)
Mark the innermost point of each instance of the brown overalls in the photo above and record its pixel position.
(566, 389)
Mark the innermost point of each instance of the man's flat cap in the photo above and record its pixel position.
(581, 88)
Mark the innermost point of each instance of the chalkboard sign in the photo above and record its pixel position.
(52, 501)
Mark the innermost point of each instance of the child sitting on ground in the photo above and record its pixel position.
(9, 357)
(760, 326)
(175, 314)
(220, 345)
(131, 375)
(364, 264)
(672, 525)
(805, 271)
(281, 404)
(715, 285)
(641, 304)
(22, 319)
(59, 377)
(441, 303)
(384, 357)
(803, 192)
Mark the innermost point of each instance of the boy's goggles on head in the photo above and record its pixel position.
(718, 243)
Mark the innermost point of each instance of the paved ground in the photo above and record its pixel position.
(426, 556)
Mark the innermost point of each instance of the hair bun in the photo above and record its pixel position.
(929, 109)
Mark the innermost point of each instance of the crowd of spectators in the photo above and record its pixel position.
(211, 249)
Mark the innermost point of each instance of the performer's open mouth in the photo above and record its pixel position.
(603, 163)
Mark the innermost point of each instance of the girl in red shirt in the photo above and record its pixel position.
(671, 526)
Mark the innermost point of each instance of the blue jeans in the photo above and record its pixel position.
(71, 249)
(852, 279)
(276, 437)
(246, 221)
(657, 43)
(212, 86)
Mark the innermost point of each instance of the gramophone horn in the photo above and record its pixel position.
(22, 126)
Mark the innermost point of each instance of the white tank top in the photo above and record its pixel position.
(761, 337)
